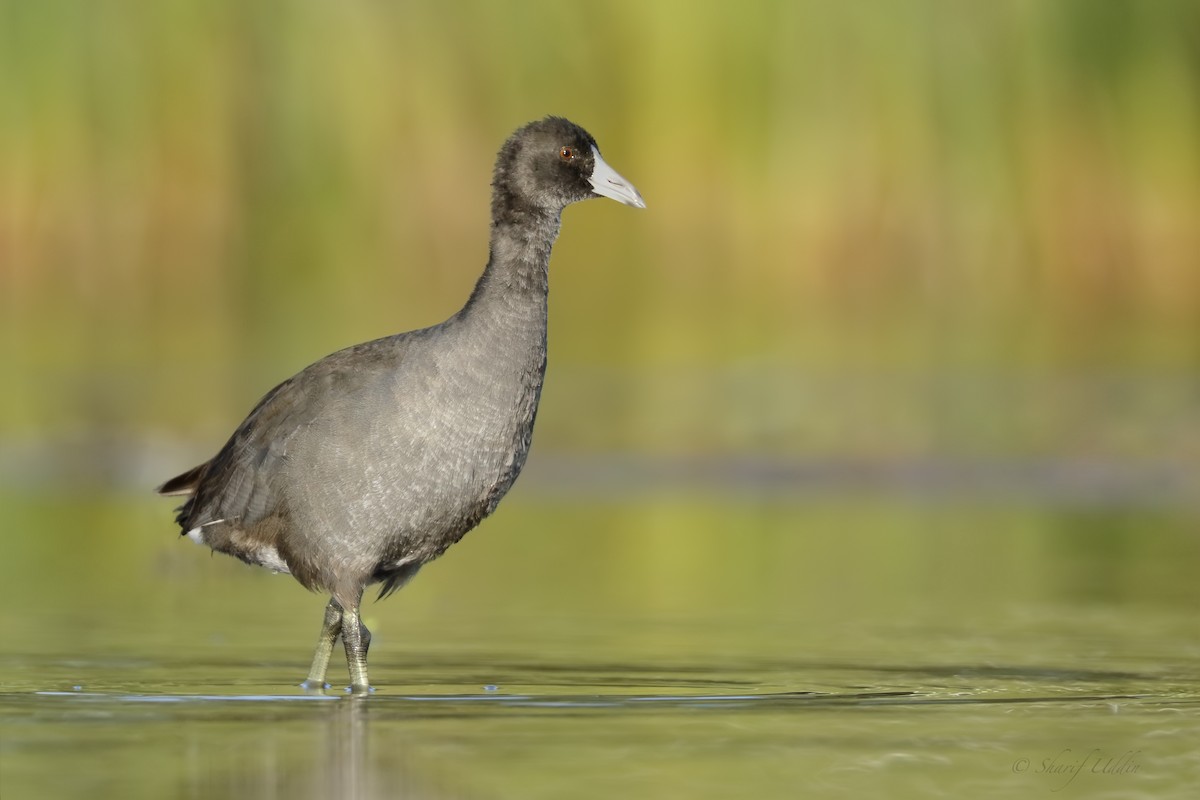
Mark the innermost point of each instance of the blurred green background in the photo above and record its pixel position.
(899, 369)
(874, 228)
(887, 243)
(879, 229)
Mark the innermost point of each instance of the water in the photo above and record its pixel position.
(950, 717)
(636, 644)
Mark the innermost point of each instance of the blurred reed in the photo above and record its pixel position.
(873, 227)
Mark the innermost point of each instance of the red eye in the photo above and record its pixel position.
(566, 154)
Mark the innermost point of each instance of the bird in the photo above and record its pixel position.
(372, 461)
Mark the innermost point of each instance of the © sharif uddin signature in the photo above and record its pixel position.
(1068, 764)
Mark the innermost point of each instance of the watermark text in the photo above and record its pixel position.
(1064, 767)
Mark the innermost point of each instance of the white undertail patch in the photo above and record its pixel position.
(197, 534)
(269, 557)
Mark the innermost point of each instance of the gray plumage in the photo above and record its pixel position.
(375, 459)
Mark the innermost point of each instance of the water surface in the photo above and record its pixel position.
(632, 644)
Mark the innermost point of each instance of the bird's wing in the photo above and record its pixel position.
(237, 485)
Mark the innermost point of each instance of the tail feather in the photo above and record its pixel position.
(184, 484)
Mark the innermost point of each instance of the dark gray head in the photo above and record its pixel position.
(549, 164)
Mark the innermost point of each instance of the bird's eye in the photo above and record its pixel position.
(566, 154)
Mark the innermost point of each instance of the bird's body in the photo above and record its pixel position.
(372, 461)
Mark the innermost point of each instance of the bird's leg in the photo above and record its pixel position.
(357, 639)
(331, 628)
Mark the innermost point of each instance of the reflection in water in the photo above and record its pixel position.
(334, 759)
(346, 744)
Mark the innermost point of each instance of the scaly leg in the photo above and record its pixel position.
(357, 639)
(330, 630)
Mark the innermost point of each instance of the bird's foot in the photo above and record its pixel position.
(314, 687)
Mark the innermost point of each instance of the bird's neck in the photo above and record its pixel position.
(515, 284)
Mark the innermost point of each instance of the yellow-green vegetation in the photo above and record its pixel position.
(873, 227)
(892, 391)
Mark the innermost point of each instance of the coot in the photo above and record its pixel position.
(375, 459)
